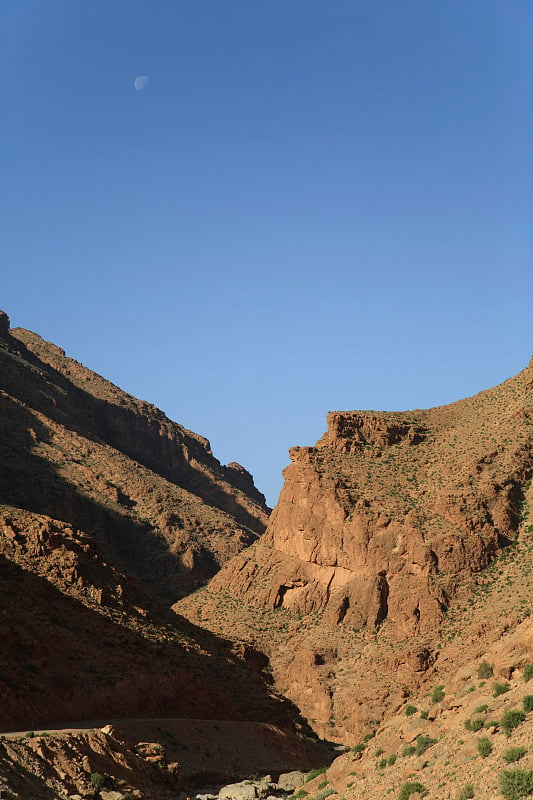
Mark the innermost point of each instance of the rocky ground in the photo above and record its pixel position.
(156, 760)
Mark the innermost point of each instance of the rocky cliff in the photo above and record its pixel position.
(381, 531)
(77, 448)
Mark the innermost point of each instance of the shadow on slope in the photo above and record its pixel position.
(62, 660)
(31, 482)
(159, 444)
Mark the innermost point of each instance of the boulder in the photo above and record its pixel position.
(291, 781)
(239, 791)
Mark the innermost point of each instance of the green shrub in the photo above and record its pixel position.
(500, 688)
(358, 748)
(437, 694)
(315, 773)
(300, 794)
(516, 783)
(474, 724)
(492, 723)
(409, 750)
(511, 720)
(424, 714)
(514, 754)
(481, 709)
(484, 746)
(466, 793)
(410, 710)
(102, 781)
(527, 672)
(392, 760)
(527, 703)
(368, 736)
(382, 763)
(322, 784)
(325, 793)
(422, 743)
(485, 670)
(409, 788)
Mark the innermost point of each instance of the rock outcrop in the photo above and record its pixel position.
(379, 532)
(4, 324)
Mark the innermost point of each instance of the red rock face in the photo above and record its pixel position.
(379, 528)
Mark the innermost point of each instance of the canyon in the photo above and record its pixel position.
(142, 580)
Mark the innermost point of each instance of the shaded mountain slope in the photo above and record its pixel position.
(109, 511)
(75, 447)
(80, 640)
(383, 532)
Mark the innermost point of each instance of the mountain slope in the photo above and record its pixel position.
(382, 532)
(108, 512)
(75, 447)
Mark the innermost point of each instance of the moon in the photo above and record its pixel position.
(141, 82)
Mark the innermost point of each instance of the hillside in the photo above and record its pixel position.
(108, 512)
(380, 554)
(76, 448)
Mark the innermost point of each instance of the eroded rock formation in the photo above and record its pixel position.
(380, 528)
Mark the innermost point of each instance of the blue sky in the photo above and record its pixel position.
(311, 205)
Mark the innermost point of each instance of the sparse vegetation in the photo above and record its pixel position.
(437, 694)
(485, 670)
(484, 746)
(527, 703)
(514, 754)
(514, 784)
(511, 720)
(325, 793)
(411, 787)
(410, 710)
(422, 743)
(102, 781)
(500, 688)
(527, 672)
(466, 793)
(474, 724)
(315, 773)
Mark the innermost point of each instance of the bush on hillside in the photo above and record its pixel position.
(484, 746)
(527, 703)
(514, 754)
(511, 720)
(516, 784)
(500, 688)
(485, 670)
(411, 787)
(437, 694)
